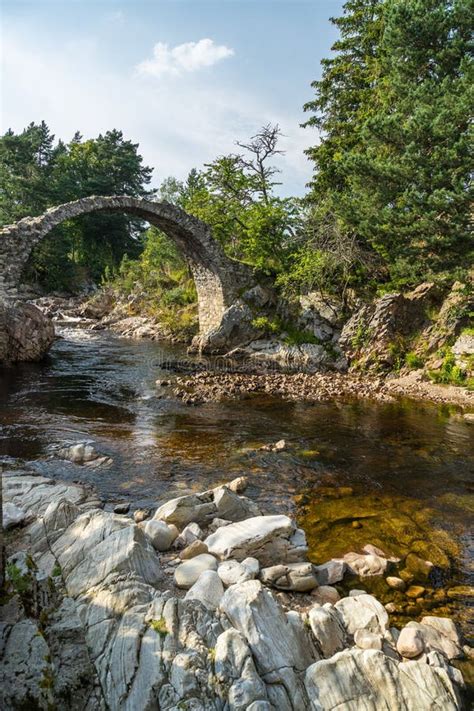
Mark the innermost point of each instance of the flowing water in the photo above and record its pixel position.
(399, 475)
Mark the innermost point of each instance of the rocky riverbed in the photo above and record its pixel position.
(203, 603)
(314, 387)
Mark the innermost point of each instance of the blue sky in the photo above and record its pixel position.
(183, 78)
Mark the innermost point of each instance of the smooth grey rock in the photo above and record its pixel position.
(366, 680)
(208, 589)
(232, 572)
(363, 612)
(232, 507)
(298, 577)
(190, 533)
(267, 538)
(410, 643)
(330, 572)
(160, 534)
(328, 629)
(439, 635)
(187, 573)
(367, 640)
(197, 508)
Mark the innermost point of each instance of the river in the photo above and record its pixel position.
(399, 475)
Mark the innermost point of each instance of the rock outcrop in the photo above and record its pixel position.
(94, 622)
(26, 334)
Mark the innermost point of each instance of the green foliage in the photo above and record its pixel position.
(413, 360)
(159, 626)
(36, 173)
(267, 325)
(449, 373)
(20, 583)
(394, 107)
(56, 572)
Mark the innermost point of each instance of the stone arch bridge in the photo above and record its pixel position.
(219, 280)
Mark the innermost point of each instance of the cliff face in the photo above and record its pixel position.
(423, 329)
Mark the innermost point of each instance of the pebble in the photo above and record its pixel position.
(396, 583)
(122, 508)
(141, 515)
(188, 572)
(410, 643)
(415, 591)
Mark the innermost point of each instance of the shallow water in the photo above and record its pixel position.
(408, 458)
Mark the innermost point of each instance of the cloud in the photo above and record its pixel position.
(43, 79)
(187, 57)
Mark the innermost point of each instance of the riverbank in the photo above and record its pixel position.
(203, 603)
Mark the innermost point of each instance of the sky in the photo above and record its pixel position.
(185, 79)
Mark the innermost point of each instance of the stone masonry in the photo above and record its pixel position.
(219, 280)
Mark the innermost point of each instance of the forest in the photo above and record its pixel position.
(388, 206)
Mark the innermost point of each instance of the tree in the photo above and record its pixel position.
(410, 195)
(394, 110)
(36, 173)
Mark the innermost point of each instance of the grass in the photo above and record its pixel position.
(159, 626)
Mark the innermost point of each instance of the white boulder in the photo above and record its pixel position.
(363, 612)
(187, 573)
(266, 538)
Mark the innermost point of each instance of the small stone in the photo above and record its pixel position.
(396, 583)
(122, 508)
(330, 572)
(141, 515)
(195, 548)
(391, 608)
(367, 640)
(251, 565)
(355, 592)
(324, 594)
(190, 533)
(461, 591)
(188, 572)
(410, 643)
(356, 524)
(415, 591)
(418, 567)
(468, 651)
(160, 534)
(238, 485)
(279, 446)
(298, 577)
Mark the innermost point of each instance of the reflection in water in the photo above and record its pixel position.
(100, 387)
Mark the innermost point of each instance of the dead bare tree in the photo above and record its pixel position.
(262, 147)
